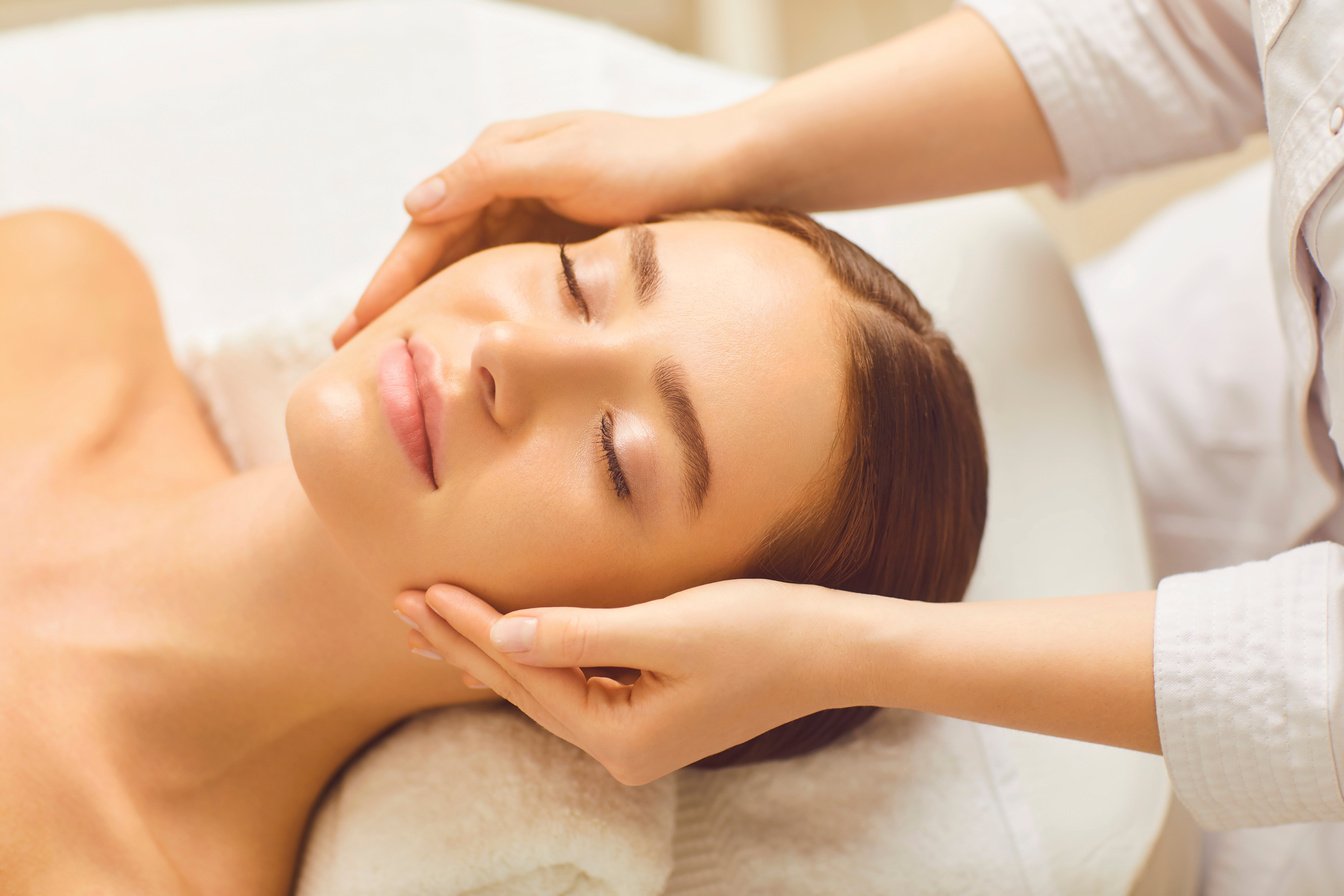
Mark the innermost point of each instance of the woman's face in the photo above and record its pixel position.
(490, 432)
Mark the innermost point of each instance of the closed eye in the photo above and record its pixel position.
(608, 446)
(572, 284)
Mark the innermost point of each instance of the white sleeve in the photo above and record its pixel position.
(1132, 84)
(1248, 680)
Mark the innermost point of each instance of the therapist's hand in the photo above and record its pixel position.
(558, 178)
(719, 664)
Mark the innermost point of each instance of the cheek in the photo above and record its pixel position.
(325, 421)
(525, 530)
(358, 488)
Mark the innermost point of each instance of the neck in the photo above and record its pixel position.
(262, 665)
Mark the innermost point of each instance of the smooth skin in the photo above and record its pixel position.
(189, 652)
(938, 111)
(526, 497)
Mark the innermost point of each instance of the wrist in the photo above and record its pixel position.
(877, 644)
(777, 151)
(739, 168)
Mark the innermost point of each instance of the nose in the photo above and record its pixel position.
(521, 368)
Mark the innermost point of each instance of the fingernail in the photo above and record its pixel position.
(472, 683)
(425, 196)
(426, 653)
(345, 330)
(406, 619)
(514, 635)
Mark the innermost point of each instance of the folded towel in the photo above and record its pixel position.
(908, 803)
(479, 800)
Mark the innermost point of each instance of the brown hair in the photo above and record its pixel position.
(905, 514)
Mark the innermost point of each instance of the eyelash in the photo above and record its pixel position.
(604, 430)
(605, 442)
(572, 283)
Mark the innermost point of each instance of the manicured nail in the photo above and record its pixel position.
(426, 653)
(406, 619)
(345, 330)
(425, 196)
(514, 635)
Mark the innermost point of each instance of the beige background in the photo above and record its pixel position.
(779, 37)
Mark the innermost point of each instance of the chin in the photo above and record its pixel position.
(333, 447)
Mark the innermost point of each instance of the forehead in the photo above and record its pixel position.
(754, 317)
(741, 295)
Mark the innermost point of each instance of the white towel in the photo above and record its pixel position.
(906, 804)
(479, 800)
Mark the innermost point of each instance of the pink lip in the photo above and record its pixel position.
(429, 377)
(399, 392)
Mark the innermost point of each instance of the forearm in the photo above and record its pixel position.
(938, 111)
(1076, 667)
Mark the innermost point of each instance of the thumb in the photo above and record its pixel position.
(571, 636)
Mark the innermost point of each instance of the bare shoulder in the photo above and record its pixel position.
(71, 288)
(81, 339)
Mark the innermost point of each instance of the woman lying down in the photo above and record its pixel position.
(189, 653)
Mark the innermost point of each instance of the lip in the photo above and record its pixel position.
(429, 380)
(399, 393)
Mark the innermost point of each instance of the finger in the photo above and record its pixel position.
(615, 673)
(601, 696)
(606, 719)
(488, 674)
(526, 128)
(425, 197)
(510, 170)
(420, 646)
(420, 252)
(555, 698)
(627, 637)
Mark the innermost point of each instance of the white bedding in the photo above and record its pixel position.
(255, 155)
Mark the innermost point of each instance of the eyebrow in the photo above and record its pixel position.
(644, 263)
(669, 379)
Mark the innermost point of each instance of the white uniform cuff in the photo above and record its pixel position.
(1246, 666)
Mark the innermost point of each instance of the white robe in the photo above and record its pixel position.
(1238, 441)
